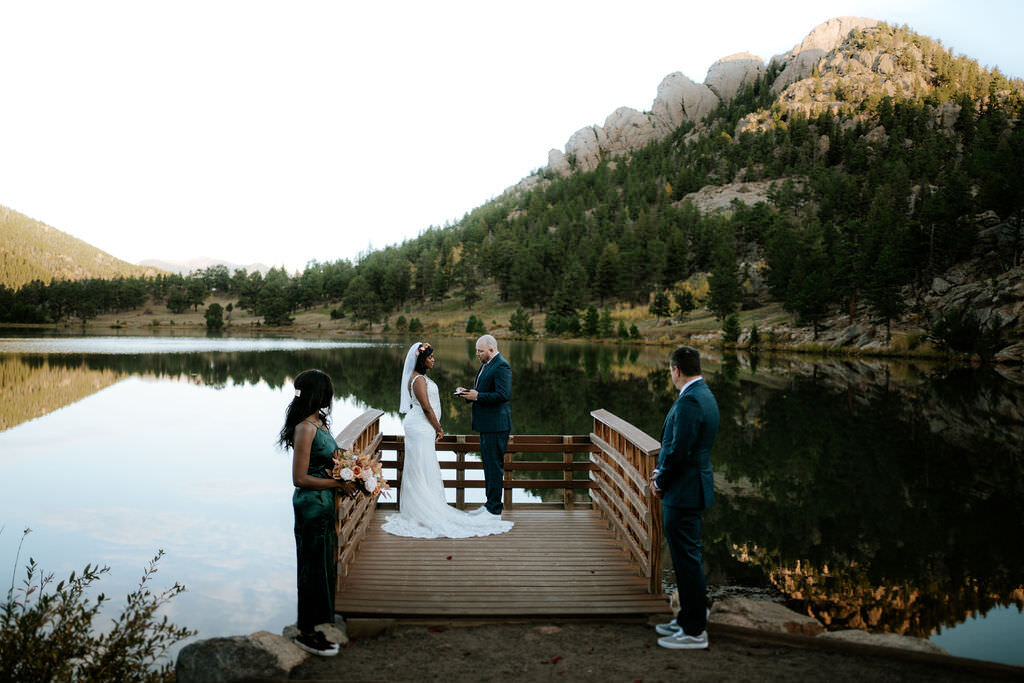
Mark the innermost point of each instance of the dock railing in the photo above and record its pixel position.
(625, 459)
(354, 514)
(617, 458)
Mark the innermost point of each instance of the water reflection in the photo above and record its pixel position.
(875, 494)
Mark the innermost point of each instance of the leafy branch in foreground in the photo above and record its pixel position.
(46, 630)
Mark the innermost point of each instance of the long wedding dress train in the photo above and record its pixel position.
(423, 511)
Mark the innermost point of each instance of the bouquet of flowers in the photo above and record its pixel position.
(361, 469)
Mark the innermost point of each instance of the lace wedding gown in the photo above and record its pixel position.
(422, 509)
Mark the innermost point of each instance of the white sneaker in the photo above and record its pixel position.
(669, 629)
(681, 641)
(673, 627)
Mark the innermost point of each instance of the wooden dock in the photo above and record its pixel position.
(553, 563)
(562, 559)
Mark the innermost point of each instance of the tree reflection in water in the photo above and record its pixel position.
(881, 495)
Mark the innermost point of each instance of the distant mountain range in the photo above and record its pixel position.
(201, 263)
(31, 250)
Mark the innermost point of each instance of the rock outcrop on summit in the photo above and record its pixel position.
(679, 99)
(730, 75)
(799, 62)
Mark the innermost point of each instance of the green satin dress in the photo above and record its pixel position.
(315, 539)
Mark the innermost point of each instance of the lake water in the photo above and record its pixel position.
(882, 495)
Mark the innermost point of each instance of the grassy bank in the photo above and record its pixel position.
(448, 318)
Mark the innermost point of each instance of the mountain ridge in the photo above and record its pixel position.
(32, 250)
(200, 263)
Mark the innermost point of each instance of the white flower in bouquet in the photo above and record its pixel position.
(346, 474)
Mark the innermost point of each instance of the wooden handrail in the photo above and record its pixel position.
(641, 439)
(626, 457)
(348, 436)
(353, 515)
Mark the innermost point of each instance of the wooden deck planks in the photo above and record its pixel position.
(554, 563)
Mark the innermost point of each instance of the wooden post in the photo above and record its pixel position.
(568, 493)
(507, 499)
(656, 532)
(399, 466)
(460, 474)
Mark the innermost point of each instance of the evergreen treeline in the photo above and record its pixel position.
(873, 194)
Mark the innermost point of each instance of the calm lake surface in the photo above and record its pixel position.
(875, 494)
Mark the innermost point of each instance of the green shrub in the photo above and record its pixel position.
(475, 325)
(520, 324)
(214, 317)
(46, 630)
(731, 329)
(962, 331)
(755, 337)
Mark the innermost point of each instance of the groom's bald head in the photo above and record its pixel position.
(486, 348)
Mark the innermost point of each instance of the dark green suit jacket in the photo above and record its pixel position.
(492, 411)
(684, 463)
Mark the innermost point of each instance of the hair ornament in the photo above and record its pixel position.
(423, 347)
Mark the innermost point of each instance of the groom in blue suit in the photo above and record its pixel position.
(684, 482)
(492, 418)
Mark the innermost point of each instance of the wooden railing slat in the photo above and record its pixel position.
(637, 501)
(639, 528)
(515, 465)
(620, 460)
(638, 555)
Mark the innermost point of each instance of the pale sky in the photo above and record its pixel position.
(281, 132)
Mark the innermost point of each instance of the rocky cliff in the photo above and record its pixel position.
(679, 99)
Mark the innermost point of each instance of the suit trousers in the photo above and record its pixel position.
(682, 531)
(492, 453)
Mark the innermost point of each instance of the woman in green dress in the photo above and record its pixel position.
(306, 432)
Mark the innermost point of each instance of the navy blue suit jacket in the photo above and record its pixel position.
(684, 463)
(492, 411)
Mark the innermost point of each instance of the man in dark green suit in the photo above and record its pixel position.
(492, 417)
(684, 482)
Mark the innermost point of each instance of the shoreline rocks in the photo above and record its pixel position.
(260, 655)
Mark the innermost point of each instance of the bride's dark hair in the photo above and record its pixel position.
(314, 392)
(426, 351)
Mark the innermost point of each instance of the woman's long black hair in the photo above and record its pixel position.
(314, 393)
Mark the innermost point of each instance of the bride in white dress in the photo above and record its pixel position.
(423, 511)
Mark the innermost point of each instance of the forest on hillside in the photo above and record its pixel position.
(873, 197)
(30, 250)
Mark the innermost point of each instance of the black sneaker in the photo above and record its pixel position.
(316, 644)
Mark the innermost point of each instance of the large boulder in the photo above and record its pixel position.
(764, 615)
(679, 99)
(730, 75)
(626, 129)
(893, 640)
(221, 660)
(584, 148)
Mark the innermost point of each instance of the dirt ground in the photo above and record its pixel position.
(605, 652)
